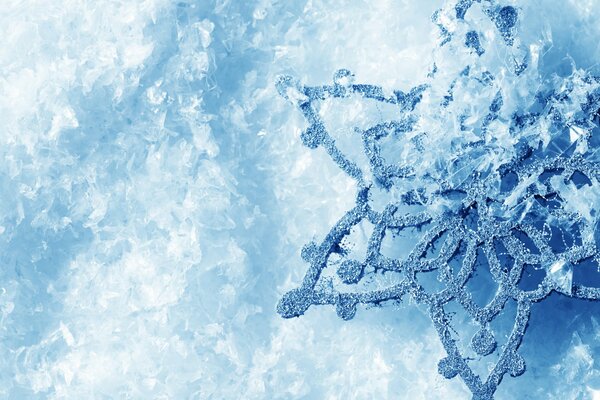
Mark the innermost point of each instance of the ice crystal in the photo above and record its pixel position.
(498, 182)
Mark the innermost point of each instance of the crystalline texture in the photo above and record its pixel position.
(490, 179)
(561, 274)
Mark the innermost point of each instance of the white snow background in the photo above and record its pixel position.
(155, 195)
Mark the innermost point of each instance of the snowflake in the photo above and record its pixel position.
(502, 187)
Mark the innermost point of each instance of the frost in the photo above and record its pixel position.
(155, 196)
(561, 273)
(477, 187)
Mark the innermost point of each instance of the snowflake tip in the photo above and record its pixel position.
(294, 303)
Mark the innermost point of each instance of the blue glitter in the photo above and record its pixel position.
(502, 214)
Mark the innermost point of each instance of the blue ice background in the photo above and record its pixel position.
(156, 195)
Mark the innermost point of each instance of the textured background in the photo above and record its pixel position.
(155, 195)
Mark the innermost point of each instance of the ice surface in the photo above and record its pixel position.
(561, 273)
(156, 193)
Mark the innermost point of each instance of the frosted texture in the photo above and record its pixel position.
(156, 191)
(495, 179)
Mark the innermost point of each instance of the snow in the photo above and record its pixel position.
(156, 194)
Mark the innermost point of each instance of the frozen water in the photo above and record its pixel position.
(561, 273)
(157, 196)
(539, 218)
